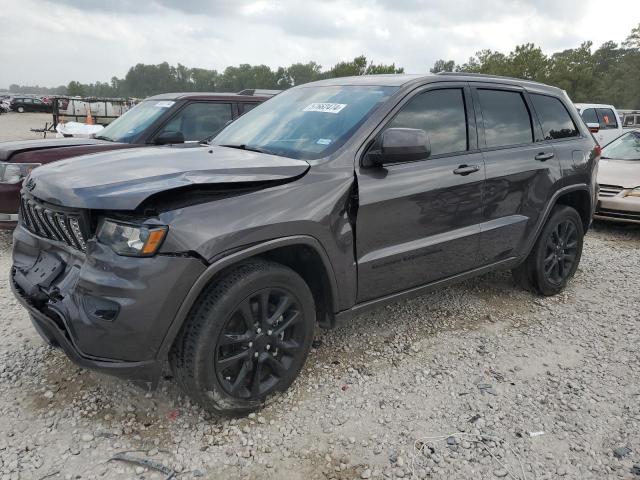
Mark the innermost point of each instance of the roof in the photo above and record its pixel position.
(593, 105)
(399, 80)
(244, 95)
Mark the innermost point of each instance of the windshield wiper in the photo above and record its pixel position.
(249, 148)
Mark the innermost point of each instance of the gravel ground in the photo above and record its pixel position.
(17, 126)
(477, 381)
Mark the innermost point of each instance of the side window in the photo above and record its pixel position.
(607, 118)
(37, 102)
(27, 100)
(506, 118)
(245, 107)
(556, 121)
(589, 116)
(440, 113)
(198, 121)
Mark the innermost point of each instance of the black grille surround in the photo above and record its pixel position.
(54, 223)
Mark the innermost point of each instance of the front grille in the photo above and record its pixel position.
(62, 226)
(610, 190)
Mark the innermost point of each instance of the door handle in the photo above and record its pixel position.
(543, 157)
(466, 169)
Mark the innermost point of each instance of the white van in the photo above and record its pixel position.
(603, 121)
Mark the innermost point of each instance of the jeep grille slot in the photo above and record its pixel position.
(54, 225)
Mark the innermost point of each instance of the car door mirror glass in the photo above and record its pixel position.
(169, 137)
(401, 145)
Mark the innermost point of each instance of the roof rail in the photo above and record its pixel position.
(258, 91)
(484, 75)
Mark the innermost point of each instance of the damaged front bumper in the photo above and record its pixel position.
(106, 312)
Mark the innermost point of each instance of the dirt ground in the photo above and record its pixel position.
(16, 126)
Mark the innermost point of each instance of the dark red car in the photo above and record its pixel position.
(183, 119)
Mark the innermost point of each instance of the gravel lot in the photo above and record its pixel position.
(17, 126)
(478, 381)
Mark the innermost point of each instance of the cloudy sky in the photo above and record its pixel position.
(52, 42)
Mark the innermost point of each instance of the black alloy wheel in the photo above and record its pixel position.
(259, 344)
(561, 251)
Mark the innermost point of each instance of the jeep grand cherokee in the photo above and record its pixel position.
(332, 198)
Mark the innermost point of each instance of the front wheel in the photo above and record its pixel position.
(246, 338)
(20, 109)
(555, 255)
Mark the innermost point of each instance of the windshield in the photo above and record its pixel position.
(128, 126)
(305, 123)
(627, 147)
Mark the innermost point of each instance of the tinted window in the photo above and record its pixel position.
(506, 118)
(245, 107)
(607, 118)
(27, 100)
(589, 116)
(556, 122)
(441, 114)
(37, 101)
(199, 121)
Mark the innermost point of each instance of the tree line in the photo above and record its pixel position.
(608, 74)
(143, 80)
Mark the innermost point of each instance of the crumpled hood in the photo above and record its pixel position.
(623, 173)
(8, 149)
(123, 179)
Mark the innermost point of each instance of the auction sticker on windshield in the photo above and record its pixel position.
(325, 107)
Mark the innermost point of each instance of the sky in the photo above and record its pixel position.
(50, 43)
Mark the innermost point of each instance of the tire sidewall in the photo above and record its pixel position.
(205, 375)
(20, 109)
(559, 215)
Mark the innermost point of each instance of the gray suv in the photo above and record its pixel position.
(331, 198)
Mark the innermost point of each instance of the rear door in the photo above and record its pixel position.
(521, 168)
(419, 222)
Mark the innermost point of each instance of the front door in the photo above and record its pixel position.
(419, 222)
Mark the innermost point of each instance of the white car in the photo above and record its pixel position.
(603, 121)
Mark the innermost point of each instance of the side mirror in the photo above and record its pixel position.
(593, 127)
(401, 145)
(167, 138)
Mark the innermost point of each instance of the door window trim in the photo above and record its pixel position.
(537, 137)
(472, 134)
(556, 140)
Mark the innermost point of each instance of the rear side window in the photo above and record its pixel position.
(440, 113)
(607, 118)
(506, 118)
(556, 121)
(589, 115)
(245, 107)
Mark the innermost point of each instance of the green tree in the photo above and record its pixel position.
(443, 66)
(75, 89)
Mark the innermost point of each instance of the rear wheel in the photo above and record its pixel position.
(556, 254)
(246, 338)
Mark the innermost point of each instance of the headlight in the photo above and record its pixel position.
(130, 239)
(634, 193)
(15, 172)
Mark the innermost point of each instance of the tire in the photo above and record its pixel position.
(223, 342)
(556, 254)
(20, 109)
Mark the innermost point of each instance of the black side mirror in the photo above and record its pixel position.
(167, 138)
(401, 145)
